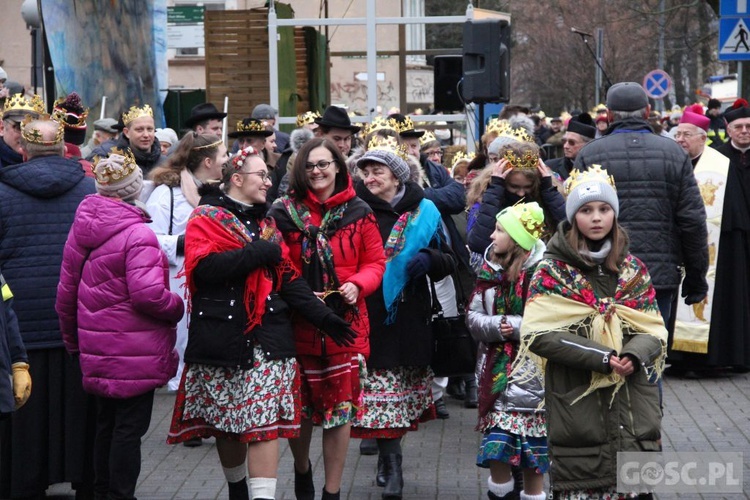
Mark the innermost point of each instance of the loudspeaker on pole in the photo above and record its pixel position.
(448, 73)
(486, 61)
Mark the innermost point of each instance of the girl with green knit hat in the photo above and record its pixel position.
(510, 418)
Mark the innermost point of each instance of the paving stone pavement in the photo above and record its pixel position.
(711, 414)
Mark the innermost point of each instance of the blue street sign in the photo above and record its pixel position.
(657, 84)
(734, 39)
(735, 8)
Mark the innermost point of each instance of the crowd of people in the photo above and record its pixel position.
(281, 282)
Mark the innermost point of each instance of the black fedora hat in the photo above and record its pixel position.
(336, 117)
(248, 127)
(203, 112)
(405, 126)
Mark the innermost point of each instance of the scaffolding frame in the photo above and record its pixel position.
(371, 21)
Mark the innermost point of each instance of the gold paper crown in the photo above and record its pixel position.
(519, 134)
(252, 125)
(494, 125)
(307, 118)
(19, 102)
(62, 115)
(427, 138)
(461, 156)
(595, 173)
(389, 144)
(527, 161)
(380, 123)
(406, 125)
(531, 217)
(136, 112)
(33, 135)
(109, 174)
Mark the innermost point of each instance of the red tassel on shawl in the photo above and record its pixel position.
(212, 230)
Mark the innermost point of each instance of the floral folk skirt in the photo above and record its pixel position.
(257, 404)
(595, 494)
(396, 400)
(514, 438)
(331, 388)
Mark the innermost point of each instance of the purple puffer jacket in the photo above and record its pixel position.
(114, 302)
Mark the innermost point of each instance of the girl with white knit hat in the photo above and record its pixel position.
(594, 328)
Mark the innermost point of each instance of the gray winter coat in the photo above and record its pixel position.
(522, 393)
(660, 204)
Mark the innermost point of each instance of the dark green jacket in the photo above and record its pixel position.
(584, 438)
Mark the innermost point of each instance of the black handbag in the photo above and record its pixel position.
(455, 352)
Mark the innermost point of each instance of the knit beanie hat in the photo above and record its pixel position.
(118, 176)
(524, 222)
(590, 185)
(390, 159)
(166, 135)
(72, 114)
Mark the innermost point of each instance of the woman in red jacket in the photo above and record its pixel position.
(334, 240)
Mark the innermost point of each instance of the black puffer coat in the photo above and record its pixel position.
(660, 204)
(496, 198)
(38, 202)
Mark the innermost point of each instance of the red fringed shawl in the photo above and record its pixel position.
(215, 229)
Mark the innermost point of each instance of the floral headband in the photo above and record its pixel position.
(238, 160)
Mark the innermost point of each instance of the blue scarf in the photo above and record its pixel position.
(412, 232)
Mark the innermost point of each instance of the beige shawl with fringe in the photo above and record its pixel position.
(561, 298)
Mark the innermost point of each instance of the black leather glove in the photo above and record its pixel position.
(694, 290)
(419, 265)
(339, 330)
(264, 252)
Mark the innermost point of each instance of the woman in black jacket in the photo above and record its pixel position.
(397, 393)
(517, 174)
(241, 382)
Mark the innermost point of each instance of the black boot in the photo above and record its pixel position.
(304, 488)
(238, 490)
(368, 447)
(383, 471)
(508, 496)
(330, 496)
(456, 388)
(471, 393)
(440, 410)
(394, 486)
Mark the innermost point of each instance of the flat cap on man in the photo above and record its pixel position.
(626, 96)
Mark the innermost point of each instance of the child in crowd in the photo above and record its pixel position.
(15, 380)
(509, 409)
(592, 315)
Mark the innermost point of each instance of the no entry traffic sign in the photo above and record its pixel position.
(657, 84)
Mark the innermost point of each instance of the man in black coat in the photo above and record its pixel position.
(660, 204)
(577, 135)
(50, 439)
